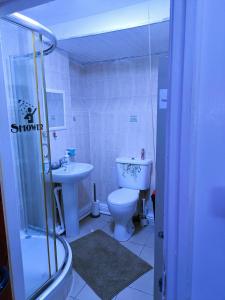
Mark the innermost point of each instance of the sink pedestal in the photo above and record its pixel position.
(71, 211)
(70, 176)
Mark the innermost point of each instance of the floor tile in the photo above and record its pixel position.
(77, 285)
(92, 222)
(69, 240)
(150, 240)
(133, 294)
(135, 248)
(106, 218)
(109, 228)
(140, 236)
(87, 293)
(145, 283)
(148, 255)
(143, 235)
(150, 227)
(89, 224)
(88, 229)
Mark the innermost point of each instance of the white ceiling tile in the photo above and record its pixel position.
(120, 44)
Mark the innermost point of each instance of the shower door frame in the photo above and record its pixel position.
(10, 194)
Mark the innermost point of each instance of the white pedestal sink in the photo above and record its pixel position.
(69, 177)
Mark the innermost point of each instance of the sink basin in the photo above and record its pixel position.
(72, 173)
(69, 177)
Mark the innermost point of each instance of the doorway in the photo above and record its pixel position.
(113, 94)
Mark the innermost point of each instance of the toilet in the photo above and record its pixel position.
(133, 176)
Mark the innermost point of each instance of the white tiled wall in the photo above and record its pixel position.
(57, 72)
(80, 130)
(104, 98)
(57, 78)
(101, 99)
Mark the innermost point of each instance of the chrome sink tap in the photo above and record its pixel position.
(62, 162)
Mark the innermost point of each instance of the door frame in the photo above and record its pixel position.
(178, 162)
(181, 145)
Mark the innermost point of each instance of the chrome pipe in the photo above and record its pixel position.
(34, 26)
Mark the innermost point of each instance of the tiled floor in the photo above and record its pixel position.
(141, 243)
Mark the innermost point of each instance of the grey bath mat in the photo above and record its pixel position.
(106, 265)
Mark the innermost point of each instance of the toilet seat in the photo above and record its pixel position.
(123, 197)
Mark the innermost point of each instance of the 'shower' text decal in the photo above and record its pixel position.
(28, 112)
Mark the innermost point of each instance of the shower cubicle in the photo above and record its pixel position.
(44, 256)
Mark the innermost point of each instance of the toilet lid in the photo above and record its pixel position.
(123, 196)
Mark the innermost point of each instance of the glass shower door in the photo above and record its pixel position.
(24, 77)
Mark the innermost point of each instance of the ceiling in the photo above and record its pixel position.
(101, 30)
(10, 6)
(120, 44)
(60, 11)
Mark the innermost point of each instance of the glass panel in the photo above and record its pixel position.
(30, 145)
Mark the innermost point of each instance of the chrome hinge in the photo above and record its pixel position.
(164, 285)
(161, 234)
(160, 284)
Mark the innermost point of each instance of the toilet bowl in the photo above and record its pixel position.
(133, 176)
(122, 205)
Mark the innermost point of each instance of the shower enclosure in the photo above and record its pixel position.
(23, 47)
